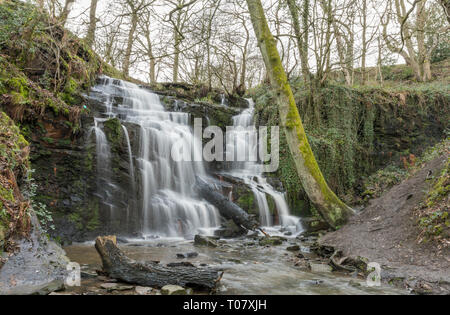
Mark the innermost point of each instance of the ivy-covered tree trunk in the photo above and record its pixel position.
(333, 210)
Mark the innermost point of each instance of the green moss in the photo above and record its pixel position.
(13, 156)
(246, 201)
(86, 218)
(114, 132)
(6, 194)
(48, 140)
(19, 85)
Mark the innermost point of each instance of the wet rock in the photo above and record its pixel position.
(122, 240)
(272, 241)
(106, 279)
(314, 282)
(135, 245)
(181, 264)
(112, 286)
(317, 267)
(109, 286)
(88, 275)
(305, 249)
(230, 230)
(354, 284)
(124, 288)
(37, 267)
(293, 248)
(143, 290)
(173, 290)
(188, 255)
(288, 233)
(138, 235)
(208, 241)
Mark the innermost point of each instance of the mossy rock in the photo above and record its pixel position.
(114, 132)
(272, 241)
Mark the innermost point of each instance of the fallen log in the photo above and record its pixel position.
(227, 209)
(118, 266)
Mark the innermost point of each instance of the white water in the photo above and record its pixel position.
(130, 157)
(168, 206)
(249, 171)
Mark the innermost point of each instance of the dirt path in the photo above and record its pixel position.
(385, 232)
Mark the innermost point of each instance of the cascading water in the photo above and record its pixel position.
(244, 139)
(168, 204)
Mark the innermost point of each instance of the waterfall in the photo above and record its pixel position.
(168, 204)
(248, 170)
(223, 100)
(130, 157)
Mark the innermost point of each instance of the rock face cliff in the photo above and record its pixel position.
(29, 262)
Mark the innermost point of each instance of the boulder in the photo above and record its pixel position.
(173, 290)
(143, 290)
(37, 267)
(230, 230)
(208, 241)
(272, 241)
(293, 248)
(109, 286)
(188, 255)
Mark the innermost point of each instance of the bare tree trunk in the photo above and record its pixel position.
(90, 37)
(343, 58)
(334, 211)
(379, 63)
(40, 5)
(66, 11)
(127, 57)
(176, 58)
(446, 6)
(364, 42)
(300, 39)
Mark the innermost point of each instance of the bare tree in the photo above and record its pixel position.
(90, 37)
(301, 36)
(418, 37)
(66, 11)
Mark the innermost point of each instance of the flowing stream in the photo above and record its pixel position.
(168, 209)
(249, 268)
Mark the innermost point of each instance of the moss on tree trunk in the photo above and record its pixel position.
(333, 210)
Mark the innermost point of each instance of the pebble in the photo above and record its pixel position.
(173, 290)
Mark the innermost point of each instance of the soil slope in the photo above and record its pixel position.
(385, 232)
